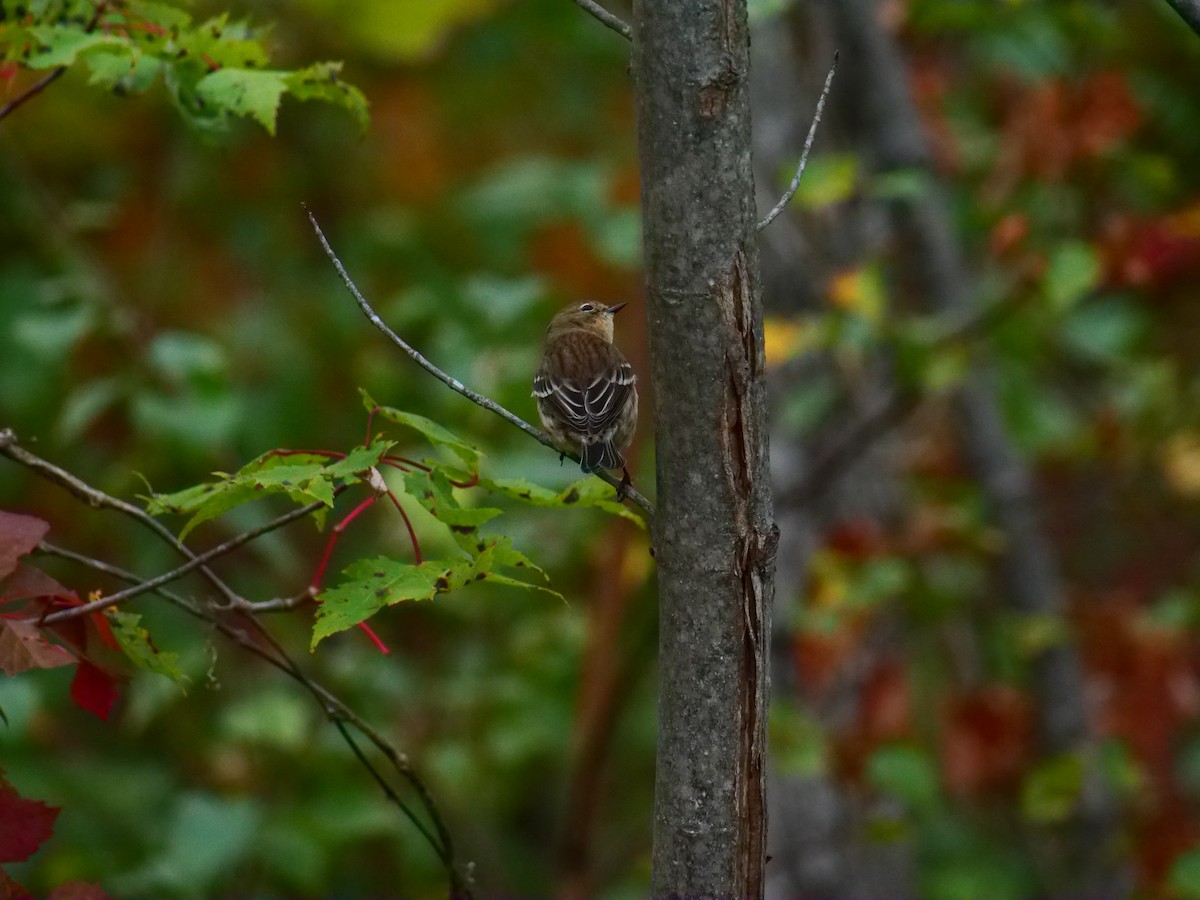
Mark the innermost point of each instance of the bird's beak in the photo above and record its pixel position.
(613, 310)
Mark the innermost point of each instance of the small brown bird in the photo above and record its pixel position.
(585, 387)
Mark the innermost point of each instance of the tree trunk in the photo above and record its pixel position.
(714, 537)
(1189, 11)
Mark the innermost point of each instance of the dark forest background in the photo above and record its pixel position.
(984, 339)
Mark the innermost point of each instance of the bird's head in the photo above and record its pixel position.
(587, 315)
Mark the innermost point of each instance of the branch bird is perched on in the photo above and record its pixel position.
(585, 387)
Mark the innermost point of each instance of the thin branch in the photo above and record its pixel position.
(382, 782)
(604, 17)
(808, 142)
(33, 91)
(100, 500)
(1189, 11)
(54, 74)
(194, 563)
(453, 383)
(281, 604)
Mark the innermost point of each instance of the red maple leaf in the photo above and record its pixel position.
(22, 647)
(24, 824)
(18, 535)
(93, 689)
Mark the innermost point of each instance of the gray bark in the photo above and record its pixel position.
(714, 536)
(819, 838)
(1189, 11)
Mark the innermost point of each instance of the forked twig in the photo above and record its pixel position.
(100, 500)
(194, 563)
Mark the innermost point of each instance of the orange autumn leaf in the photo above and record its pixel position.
(1052, 125)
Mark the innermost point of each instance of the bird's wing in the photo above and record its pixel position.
(591, 406)
(606, 395)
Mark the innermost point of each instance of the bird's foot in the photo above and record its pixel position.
(624, 486)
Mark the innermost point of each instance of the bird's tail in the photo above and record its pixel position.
(600, 455)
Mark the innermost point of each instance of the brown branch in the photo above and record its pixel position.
(36, 89)
(54, 74)
(808, 142)
(194, 563)
(282, 604)
(604, 17)
(453, 383)
(100, 500)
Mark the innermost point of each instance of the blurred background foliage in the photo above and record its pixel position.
(166, 312)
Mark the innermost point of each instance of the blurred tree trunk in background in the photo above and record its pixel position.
(819, 843)
(814, 834)
(893, 139)
(714, 537)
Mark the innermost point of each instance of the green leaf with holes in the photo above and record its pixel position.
(136, 644)
(372, 584)
(435, 493)
(587, 492)
(303, 478)
(60, 45)
(323, 81)
(254, 93)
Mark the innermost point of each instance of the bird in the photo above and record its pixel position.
(586, 389)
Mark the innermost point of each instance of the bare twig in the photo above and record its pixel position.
(808, 142)
(453, 383)
(33, 91)
(602, 15)
(98, 500)
(282, 604)
(54, 74)
(388, 791)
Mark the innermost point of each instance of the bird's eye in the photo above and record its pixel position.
(587, 307)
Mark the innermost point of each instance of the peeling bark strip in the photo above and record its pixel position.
(714, 536)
